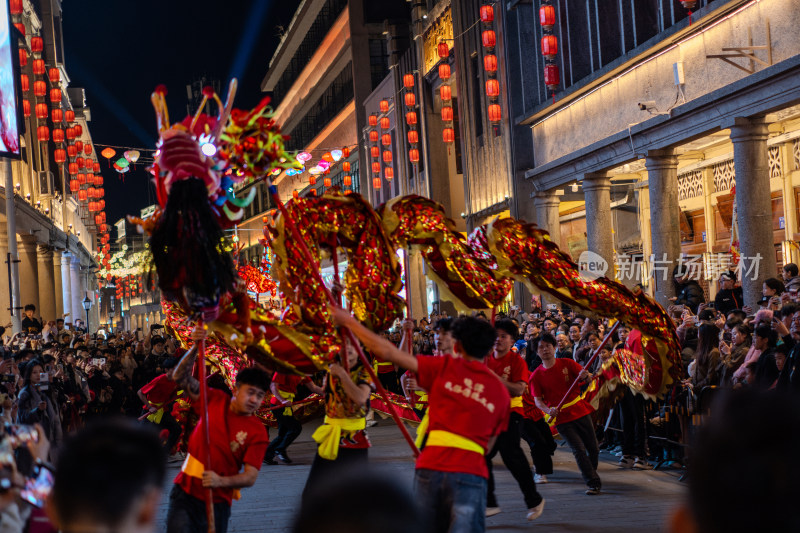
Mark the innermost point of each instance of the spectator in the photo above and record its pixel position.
(790, 277)
(729, 296)
(765, 370)
(705, 372)
(734, 352)
(564, 347)
(687, 291)
(30, 324)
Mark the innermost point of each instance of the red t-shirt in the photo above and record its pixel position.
(287, 383)
(236, 440)
(550, 384)
(467, 399)
(512, 368)
(160, 390)
(529, 405)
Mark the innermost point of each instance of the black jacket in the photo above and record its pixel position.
(729, 299)
(690, 294)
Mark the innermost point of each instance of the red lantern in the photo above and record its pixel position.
(69, 116)
(37, 44)
(23, 57)
(345, 152)
(388, 173)
(72, 151)
(58, 135)
(346, 166)
(347, 180)
(375, 151)
(413, 155)
(43, 133)
(57, 115)
(408, 81)
(387, 156)
(25, 82)
(376, 167)
(55, 95)
(448, 135)
(312, 180)
(487, 14)
(79, 131)
(81, 177)
(410, 99)
(60, 155)
(492, 88)
(21, 27)
(373, 120)
(385, 123)
(26, 108)
(446, 93)
(488, 38)
(79, 162)
(443, 50)
(495, 114)
(490, 63)
(384, 106)
(413, 137)
(15, 7)
(376, 183)
(374, 136)
(96, 167)
(547, 16)
(74, 185)
(552, 77)
(327, 182)
(78, 145)
(73, 167)
(38, 67)
(295, 195)
(447, 113)
(54, 75)
(549, 46)
(444, 71)
(87, 149)
(39, 88)
(41, 111)
(411, 118)
(82, 195)
(103, 229)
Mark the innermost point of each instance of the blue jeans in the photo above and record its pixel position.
(187, 514)
(455, 503)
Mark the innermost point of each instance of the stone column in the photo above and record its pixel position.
(28, 272)
(76, 283)
(546, 204)
(789, 203)
(5, 296)
(665, 231)
(66, 287)
(47, 285)
(599, 225)
(753, 206)
(59, 288)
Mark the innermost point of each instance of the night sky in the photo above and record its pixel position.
(119, 51)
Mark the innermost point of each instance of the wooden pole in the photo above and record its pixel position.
(201, 377)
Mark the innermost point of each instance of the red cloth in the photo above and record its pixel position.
(467, 399)
(160, 390)
(236, 440)
(512, 368)
(634, 342)
(287, 383)
(529, 405)
(552, 383)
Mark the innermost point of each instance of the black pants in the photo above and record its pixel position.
(508, 444)
(390, 382)
(539, 437)
(634, 436)
(187, 514)
(171, 425)
(348, 459)
(289, 428)
(580, 436)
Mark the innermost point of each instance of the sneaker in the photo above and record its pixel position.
(536, 512)
(592, 491)
(642, 464)
(282, 457)
(371, 423)
(270, 460)
(617, 450)
(177, 457)
(539, 479)
(491, 511)
(626, 461)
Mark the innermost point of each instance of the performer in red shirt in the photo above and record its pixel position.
(468, 408)
(510, 367)
(549, 383)
(284, 390)
(158, 397)
(536, 432)
(238, 444)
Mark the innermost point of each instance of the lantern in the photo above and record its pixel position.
(39, 88)
(312, 180)
(60, 155)
(58, 135)
(443, 50)
(72, 151)
(81, 177)
(57, 115)
(376, 182)
(37, 44)
(547, 16)
(78, 130)
(23, 57)
(373, 120)
(55, 95)
(492, 88)
(549, 46)
(38, 67)
(70, 131)
(345, 152)
(78, 145)
(448, 135)
(688, 4)
(410, 99)
(487, 14)
(108, 152)
(411, 118)
(15, 7)
(490, 63)
(82, 195)
(388, 173)
(444, 71)
(384, 106)
(25, 82)
(327, 182)
(488, 38)
(552, 77)
(313, 192)
(447, 113)
(446, 93)
(79, 162)
(43, 133)
(387, 156)
(375, 151)
(413, 137)
(347, 180)
(97, 219)
(346, 166)
(87, 149)
(69, 116)
(96, 167)
(295, 195)
(74, 185)
(374, 136)
(385, 123)
(408, 81)
(103, 229)
(386, 139)
(73, 167)
(495, 114)
(54, 75)
(376, 167)
(413, 155)
(26, 107)
(92, 192)
(41, 111)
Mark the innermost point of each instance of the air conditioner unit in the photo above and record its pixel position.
(46, 183)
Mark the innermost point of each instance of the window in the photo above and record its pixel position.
(477, 106)
(378, 60)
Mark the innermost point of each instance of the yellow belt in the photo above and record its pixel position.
(290, 398)
(516, 401)
(439, 437)
(422, 429)
(156, 417)
(329, 434)
(192, 467)
(423, 397)
(551, 420)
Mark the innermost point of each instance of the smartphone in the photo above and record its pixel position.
(552, 307)
(8, 378)
(727, 337)
(38, 489)
(98, 361)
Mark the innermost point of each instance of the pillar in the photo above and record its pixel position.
(47, 285)
(5, 295)
(28, 272)
(643, 204)
(711, 230)
(665, 231)
(416, 286)
(59, 289)
(76, 283)
(789, 203)
(66, 287)
(546, 204)
(753, 206)
(599, 225)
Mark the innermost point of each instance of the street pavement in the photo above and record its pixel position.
(631, 500)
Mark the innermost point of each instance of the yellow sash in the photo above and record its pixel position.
(423, 397)
(551, 420)
(516, 401)
(192, 467)
(329, 434)
(422, 429)
(439, 437)
(288, 396)
(156, 417)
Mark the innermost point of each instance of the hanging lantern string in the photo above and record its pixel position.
(125, 147)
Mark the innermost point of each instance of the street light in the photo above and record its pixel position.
(87, 304)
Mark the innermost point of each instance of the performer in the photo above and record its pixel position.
(284, 390)
(469, 407)
(549, 384)
(512, 370)
(238, 444)
(443, 344)
(158, 397)
(342, 439)
(536, 432)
